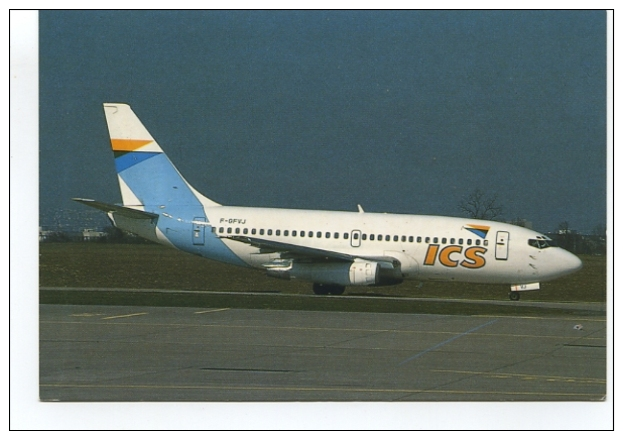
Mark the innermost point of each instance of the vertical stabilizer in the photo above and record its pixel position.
(147, 178)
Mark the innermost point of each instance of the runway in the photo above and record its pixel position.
(137, 353)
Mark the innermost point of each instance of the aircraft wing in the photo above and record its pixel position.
(124, 211)
(301, 252)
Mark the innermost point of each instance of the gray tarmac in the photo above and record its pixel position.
(136, 353)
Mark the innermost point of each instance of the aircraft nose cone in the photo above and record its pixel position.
(558, 263)
(569, 262)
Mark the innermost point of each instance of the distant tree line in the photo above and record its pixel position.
(481, 206)
(595, 244)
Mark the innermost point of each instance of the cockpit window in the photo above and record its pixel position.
(542, 242)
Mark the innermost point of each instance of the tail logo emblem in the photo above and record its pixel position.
(479, 230)
(128, 144)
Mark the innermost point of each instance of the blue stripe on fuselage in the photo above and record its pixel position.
(162, 190)
(176, 225)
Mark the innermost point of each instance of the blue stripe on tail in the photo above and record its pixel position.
(124, 160)
(155, 181)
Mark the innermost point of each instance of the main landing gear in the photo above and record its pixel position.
(514, 296)
(328, 289)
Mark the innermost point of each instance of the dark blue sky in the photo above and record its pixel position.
(403, 112)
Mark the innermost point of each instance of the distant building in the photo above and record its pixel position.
(92, 235)
(44, 234)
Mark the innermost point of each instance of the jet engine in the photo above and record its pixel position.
(358, 273)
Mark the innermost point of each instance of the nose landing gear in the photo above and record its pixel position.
(516, 288)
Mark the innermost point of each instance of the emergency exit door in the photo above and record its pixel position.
(355, 238)
(501, 245)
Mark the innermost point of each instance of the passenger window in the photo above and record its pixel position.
(469, 242)
(336, 235)
(443, 240)
(278, 232)
(318, 234)
(460, 241)
(403, 238)
(253, 231)
(213, 229)
(435, 240)
(410, 239)
(477, 242)
(270, 232)
(345, 235)
(286, 232)
(327, 235)
(371, 237)
(310, 234)
(221, 229)
(427, 240)
(245, 231)
(293, 233)
(419, 239)
(451, 240)
(387, 237)
(303, 233)
(261, 231)
(364, 236)
(395, 237)
(228, 230)
(237, 230)
(485, 242)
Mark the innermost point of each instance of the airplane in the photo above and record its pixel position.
(330, 249)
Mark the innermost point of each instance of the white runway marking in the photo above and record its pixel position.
(211, 311)
(124, 315)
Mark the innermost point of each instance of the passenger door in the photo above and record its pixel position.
(501, 245)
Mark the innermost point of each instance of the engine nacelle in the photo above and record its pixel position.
(358, 273)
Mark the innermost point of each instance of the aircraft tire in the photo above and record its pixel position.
(514, 296)
(328, 289)
(336, 290)
(321, 289)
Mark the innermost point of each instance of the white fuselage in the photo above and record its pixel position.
(428, 247)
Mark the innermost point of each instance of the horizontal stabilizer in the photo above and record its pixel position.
(124, 211)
